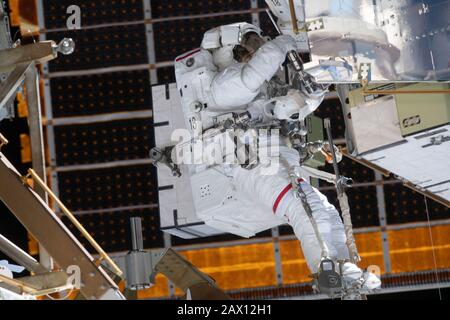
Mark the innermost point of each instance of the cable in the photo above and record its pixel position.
(433, 250)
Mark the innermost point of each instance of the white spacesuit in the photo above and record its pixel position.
(230, 73)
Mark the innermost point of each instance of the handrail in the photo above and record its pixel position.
(293, 17)
(3, 141)
(75, 222)
(366, 91)
(395, 92)
(18, 284)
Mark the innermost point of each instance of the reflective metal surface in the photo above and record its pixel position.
(383, 40)
(7, 111)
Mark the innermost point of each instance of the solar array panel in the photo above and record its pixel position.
(176, 37)
(108, 188)
(112, 229)
(175, 8)
(103, 47)
(92, 12)
(95, 94)
(103, 142)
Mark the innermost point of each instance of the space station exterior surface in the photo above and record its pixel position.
(405, 40)
(406, 135)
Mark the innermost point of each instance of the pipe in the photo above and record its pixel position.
(136, 234)
(76, 223)
(18, 284)
(21, 257)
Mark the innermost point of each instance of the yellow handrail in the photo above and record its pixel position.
(3, 141)
(366, 91)
(394, 92)
(76, 223)
(18, 284)
(293, 17)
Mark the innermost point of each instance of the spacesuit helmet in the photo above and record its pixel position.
(232, 43)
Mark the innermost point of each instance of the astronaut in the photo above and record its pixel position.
(231, 73)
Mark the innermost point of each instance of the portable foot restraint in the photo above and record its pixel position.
(329, 281)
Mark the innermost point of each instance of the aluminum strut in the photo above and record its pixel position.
(343, 200)
(48, 229)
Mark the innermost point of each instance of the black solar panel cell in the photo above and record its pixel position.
(173, 8)
(267, 26)
(286, 230)
(105, 47)
(166, 75)
(404, 205)
(437, 211)
(108, 188)
(351, 169)
(262, 4)
(332, 108)
(92, 12)
(112, 229)
(101, 93)
(173, 38)
(363, 206)
(103, 142)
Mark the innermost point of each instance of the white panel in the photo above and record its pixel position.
(165, 177)
(376, 124)
(205, 229)
(212, 190)
(168, 116)
(185, 201)
(163, 136)
(160, 103)
(424, 167)
(167, 205)
(230, 227)
(401, 40)
(180, 234)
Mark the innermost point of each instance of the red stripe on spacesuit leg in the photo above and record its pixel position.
(281, 196)
(188, 55)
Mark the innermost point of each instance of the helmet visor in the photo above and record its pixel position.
(251, 42)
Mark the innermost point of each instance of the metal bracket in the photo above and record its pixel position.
(437, 141)
(164, 157)
(20, 256)
(12, 83)
(365, 73)
(315, 25)
(40, 285)
(329, 281)
(40, 52)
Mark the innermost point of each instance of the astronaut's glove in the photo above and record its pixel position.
(326, 151)
(295, 105)
(286, 43)
(315, 100)
(288, 107)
